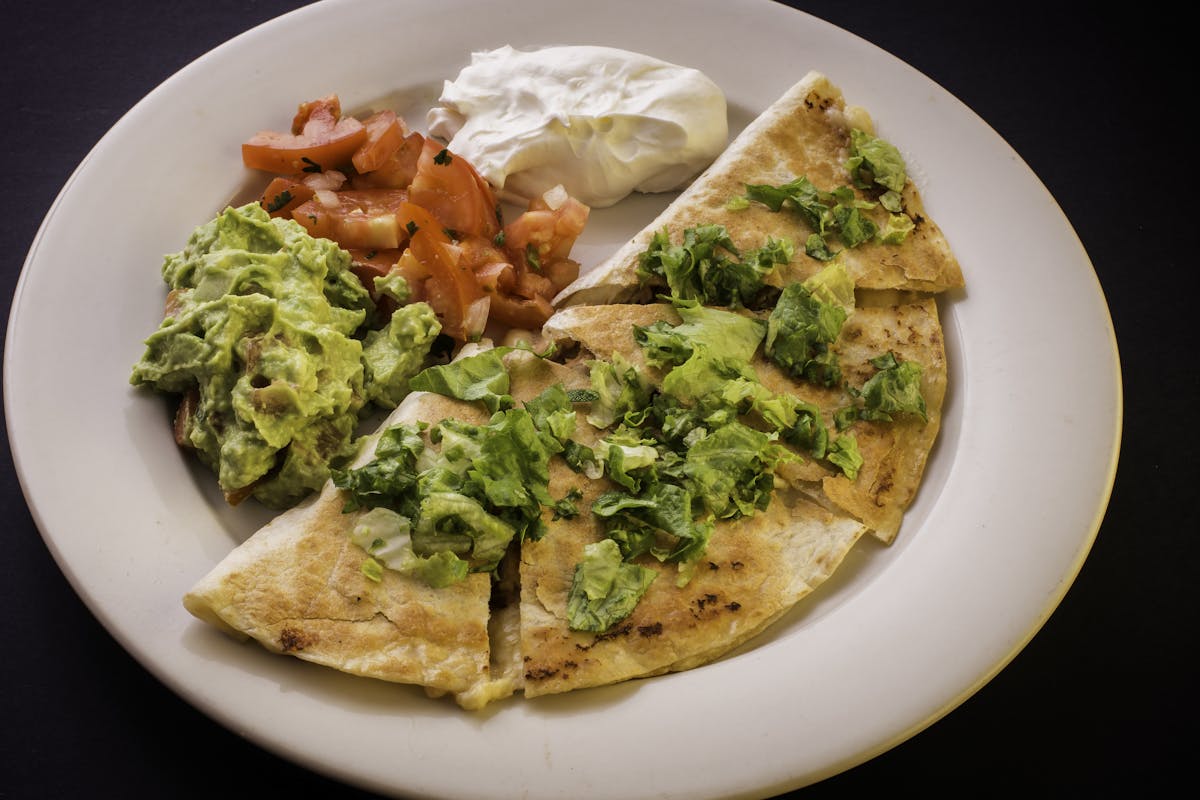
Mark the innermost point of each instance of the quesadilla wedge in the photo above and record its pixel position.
(298, 588)
(808, 133)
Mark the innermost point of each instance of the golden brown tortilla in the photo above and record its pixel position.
(804, 133)
(894, 454)
(753, 571)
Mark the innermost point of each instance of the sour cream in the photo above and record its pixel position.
(600, 121)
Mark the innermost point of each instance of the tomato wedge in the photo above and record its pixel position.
(451, 289)
(385, 136)
(369, 219)
(321, 139)
(285, 194)
(453, 191)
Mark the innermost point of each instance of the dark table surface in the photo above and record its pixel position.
(1093, 100)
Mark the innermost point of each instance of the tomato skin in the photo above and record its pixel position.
(321, 139)
(397, 171)
(368, 219)
(453, 191)
(285, 194)
(451, 289)
(385, 136)
(546, 234)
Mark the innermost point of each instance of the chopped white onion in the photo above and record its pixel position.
(475, 320)
(555, 197)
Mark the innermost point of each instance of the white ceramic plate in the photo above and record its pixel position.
(900, 636)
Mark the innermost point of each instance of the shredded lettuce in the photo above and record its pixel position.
(604, 589)
(706, 266)
(895, 389)
(874, 161)
(621, 390)
(479, 377)
(732, 470)
(386, 537)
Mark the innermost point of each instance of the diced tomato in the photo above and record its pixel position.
(398, 171)
(451, 288)
(561, 273)
(542, 234)
(371, 264)
(453, 191)
(321, 139)
(328, 106)
(368, 219)
(285, 194)
(385, 136)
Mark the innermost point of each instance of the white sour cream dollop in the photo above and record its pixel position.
(600, 121)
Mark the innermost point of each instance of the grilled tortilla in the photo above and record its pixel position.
(804, 133)
(894, 453)
(296, 586)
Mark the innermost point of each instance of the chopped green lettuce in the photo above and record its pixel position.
(479, 377)
(837, 212)
(621, 390)
(895, 389)
(386, 537)
(800, 333)
(604, 589)
(874, 161)
(706, 266)
(388, 479)
(843, 452)
(732, 470)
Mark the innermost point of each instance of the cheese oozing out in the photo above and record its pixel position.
(602, 122)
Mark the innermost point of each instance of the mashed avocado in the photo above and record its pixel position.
(263, 338)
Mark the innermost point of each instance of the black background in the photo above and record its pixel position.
(1094, 101)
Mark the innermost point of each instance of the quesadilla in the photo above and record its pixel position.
(894, 453)
(700, 442)
(808, 133)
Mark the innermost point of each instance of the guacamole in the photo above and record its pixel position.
(263, 338)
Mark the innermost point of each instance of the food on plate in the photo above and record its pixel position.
(406, 206)
(261, 342)
(893, 451)
(786, 176)
(600, 121)
(297, 587)
(289, 319)
(686, 448)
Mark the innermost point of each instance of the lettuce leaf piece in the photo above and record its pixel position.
(621, 390)
(386, 536)
(723, 334)
(843, 453)
(452, 522)
(480, 377)
(800, 332)
(513, 466)
(390, 477)
(626, 452)
(707, 267)
(604, 589)
(732, 470)
(895, 389)
(553, 416)
(659, 521)
(874, 161)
